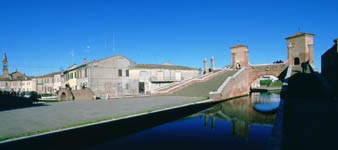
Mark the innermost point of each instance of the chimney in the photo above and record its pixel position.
(84, 61)
(212, 63)
(206, 70)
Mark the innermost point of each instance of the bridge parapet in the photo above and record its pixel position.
(233, 86)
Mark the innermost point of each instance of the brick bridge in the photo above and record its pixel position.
(299, 52)
(240, 83)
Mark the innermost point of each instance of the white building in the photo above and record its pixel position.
(148, 77)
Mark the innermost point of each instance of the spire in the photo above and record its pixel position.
(4, 59)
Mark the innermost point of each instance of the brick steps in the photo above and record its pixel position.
(83, 94)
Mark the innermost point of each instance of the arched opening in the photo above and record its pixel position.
(266, 83)
(296, 61)
(63, 96)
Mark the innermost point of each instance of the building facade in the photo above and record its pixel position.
(46, 84)
(148, 77)
(107, 78)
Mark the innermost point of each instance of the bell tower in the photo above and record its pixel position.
(300, 48)
(240, 56)
(4, 66)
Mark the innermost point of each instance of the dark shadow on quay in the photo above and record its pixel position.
(309, 114)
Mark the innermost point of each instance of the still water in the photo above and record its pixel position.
(242, 123)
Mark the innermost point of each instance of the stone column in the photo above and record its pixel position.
(206, 70)
(212, 63)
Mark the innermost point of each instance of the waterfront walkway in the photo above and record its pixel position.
(53, 116)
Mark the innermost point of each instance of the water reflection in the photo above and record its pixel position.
(233, 124)
(265, 102)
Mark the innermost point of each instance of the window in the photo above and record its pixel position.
(75, 75)
(127, 73)
(120, 73)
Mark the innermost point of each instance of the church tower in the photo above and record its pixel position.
(4, 66)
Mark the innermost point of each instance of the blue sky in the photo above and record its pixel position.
(42, 36)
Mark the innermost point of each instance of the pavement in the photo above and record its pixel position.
(52, 116)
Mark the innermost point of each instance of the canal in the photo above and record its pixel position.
(241, 123)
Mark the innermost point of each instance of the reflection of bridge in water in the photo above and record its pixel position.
(240, 113)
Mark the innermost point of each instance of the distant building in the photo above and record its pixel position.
(46, 84)
(148, 77)
(330, 66)
(16, 80)
(107, 78)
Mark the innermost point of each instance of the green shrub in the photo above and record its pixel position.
(265, 82)
(277, 84)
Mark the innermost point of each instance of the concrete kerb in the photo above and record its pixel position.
(104, 121)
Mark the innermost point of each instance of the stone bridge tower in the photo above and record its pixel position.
(239, 55)
(300, 48)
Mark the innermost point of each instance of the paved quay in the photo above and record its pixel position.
(51, 116)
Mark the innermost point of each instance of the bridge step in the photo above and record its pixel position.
(83, 94)
(202, 89)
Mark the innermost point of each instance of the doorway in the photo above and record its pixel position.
(141, 87)
(296, 61)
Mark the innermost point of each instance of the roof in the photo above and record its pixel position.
(159, 66)
(16, 72)
(299, 34)
(239, 45)
(48, 75)
(82, 65)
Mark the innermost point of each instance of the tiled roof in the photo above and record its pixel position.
(48, 75)
(239, 45)
(158, 66)
(298, 34)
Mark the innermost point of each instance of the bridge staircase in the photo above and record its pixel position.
(201, 86)
(174, 88)
(83, 94)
